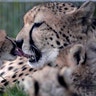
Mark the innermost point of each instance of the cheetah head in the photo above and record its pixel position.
(47, 30)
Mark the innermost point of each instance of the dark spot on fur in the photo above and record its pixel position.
(52, 46)
(30, 69)
(65, 44)
(49, 64)
(24, 68)
(14, 76)
(62, 82)
(80, 38)
(66, 8)
(3, 81)
(15, 80)
(61, 29)
(51, 38)
(36, 87)
(63, 4)
(72, 6)
(26, 74)
(66, 37)
(58, 43)
(48, 43)
(35, 70)
(60, 32)
(70, 35)
(20, 58)
(20, 74)
(23, 79)
(10, 68)
(63, 26)
(20, 63)
(6, 83)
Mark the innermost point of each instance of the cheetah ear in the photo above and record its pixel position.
(76, 55)
(86, 10)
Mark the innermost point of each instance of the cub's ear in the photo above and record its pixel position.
(86, 10)
(2, 37)
(76, 55)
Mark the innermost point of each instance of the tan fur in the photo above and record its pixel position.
(77, 71)
(54, 28)
(11, 70)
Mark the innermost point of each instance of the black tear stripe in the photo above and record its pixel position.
(32, 45)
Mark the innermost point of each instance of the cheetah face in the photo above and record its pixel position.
(45, 32)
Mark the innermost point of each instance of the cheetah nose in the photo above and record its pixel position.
(19, 43)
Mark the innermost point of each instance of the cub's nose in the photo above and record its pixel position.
(19, 43)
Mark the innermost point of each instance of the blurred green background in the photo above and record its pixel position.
(11, 15)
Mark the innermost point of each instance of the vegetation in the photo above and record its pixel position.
(11, 20)
(11, 16)
(13, 91)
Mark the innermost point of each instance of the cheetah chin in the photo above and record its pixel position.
(33, 59)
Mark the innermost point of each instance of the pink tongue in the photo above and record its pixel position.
(19, 52)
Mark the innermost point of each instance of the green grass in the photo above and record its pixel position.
(13, 91)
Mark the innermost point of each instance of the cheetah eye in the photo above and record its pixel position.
(37, 24)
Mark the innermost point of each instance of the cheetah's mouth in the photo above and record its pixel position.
(19, 52)
(32, 58)
(16, 51)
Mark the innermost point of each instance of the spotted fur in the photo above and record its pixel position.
(50, 27)
(75, 74)
(32, 80)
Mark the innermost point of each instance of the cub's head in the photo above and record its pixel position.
(45, 32)
(6, 48)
